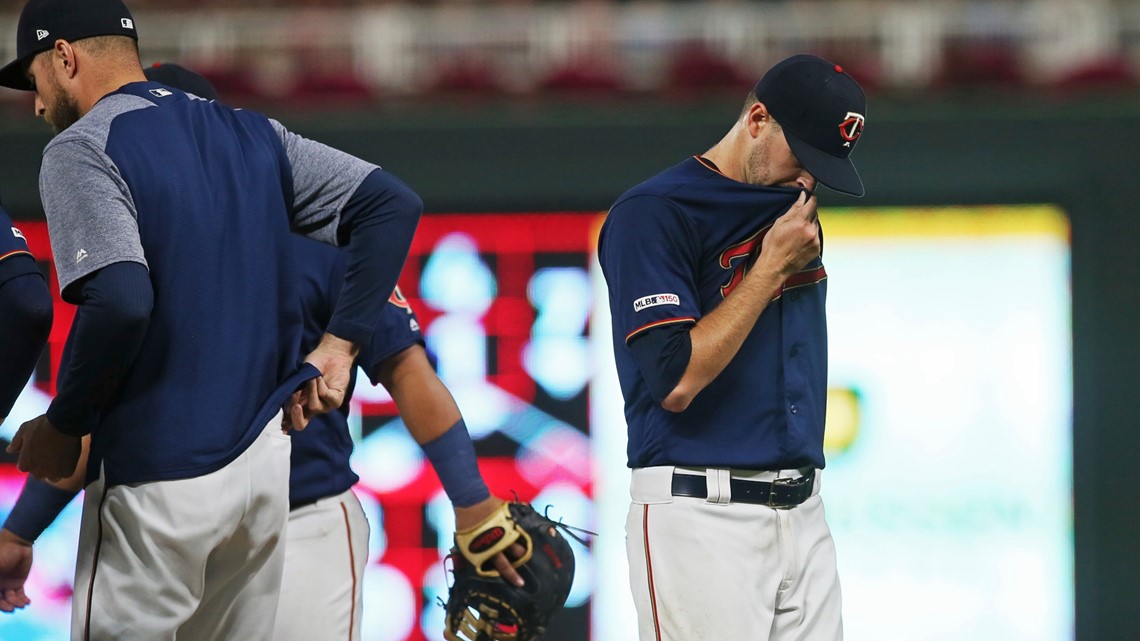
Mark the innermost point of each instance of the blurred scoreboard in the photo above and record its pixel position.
(948, 484)
(504, 303)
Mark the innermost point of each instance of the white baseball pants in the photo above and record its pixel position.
(714, 570)
(186, 559)
(326, 551)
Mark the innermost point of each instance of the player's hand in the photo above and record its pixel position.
(469, 517)
(335, 358)
(45, 452)
(793, 240)
(15, 564)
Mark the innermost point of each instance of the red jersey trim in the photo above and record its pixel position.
(667, 321)
(15, 252)
(808, 277)
(802, 279)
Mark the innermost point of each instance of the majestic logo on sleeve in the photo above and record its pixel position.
(161, 93)
(19, 234)
(80, 255)
(655, 300)
(851, 128)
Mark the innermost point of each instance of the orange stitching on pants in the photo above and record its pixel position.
(351, 569)
(94, 568)
(649, 573)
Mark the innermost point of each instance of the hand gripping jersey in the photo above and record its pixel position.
(148, 175)
(672, 249)
(321, 452)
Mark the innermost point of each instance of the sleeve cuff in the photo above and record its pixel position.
(359, 333)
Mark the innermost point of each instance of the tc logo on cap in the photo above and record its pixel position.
(128, 23)
(41, 34)
(851, 128)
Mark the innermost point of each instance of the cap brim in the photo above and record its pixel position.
(13, 76)
(830, 171)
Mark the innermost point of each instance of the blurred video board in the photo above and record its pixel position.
(948, 484)
(504, 303)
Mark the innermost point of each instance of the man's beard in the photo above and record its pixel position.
(64, 111)
(756, 166)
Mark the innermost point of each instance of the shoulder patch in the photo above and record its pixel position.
(654, 300)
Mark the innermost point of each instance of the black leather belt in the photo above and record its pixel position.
(780, 493)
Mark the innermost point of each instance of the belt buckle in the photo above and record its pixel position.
(786, 483)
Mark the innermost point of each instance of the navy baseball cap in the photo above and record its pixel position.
(180, 77)
(42, 22)
(822, 110)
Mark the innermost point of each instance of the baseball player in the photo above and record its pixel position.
(26, 321)
(716, 288)
(326, 544)
(25, 324)
(170, 221)
(321, 590)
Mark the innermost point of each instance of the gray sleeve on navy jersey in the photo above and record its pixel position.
(323, 180)
(90, 213)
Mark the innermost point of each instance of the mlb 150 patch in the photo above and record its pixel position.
(655, 300)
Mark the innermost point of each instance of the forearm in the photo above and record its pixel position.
(424, 402)
(110, 325)
(434, 421)
(716, 337)
(26, 323)
(379, 222)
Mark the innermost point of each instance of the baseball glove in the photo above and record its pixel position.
(481, 606)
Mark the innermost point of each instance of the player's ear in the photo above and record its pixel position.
(757, 118)
(63, 54)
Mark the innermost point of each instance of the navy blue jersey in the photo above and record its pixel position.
(672, 249)
(204, 196)
(12, 244)
(322, 450)
(25, 313)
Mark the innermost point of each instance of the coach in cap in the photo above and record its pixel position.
(170, 220)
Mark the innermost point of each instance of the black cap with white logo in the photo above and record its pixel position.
(822, 110)
(42, 22)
